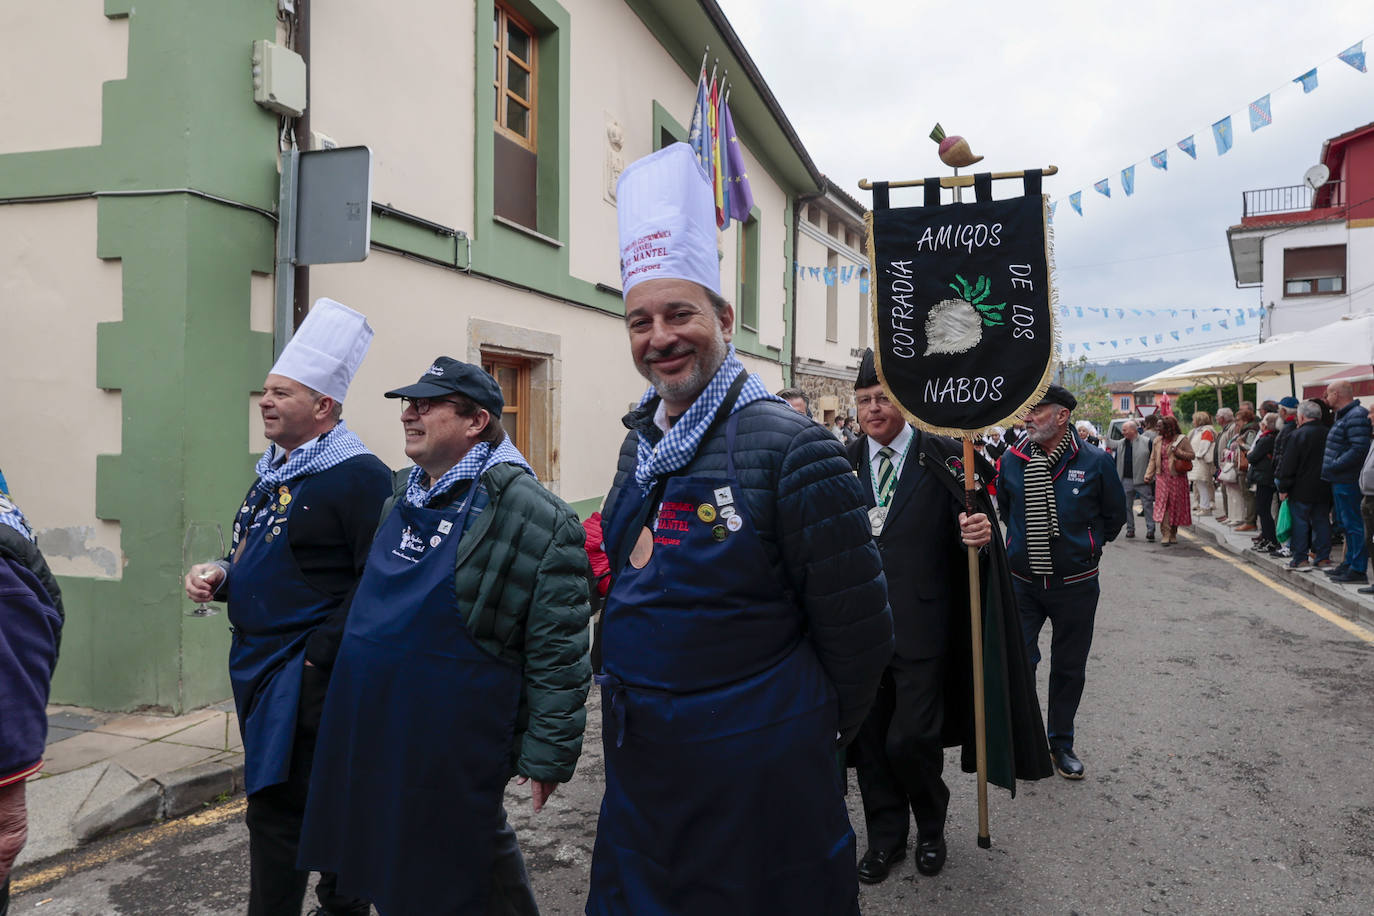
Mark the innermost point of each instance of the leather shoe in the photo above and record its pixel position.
(1067, 765)
(1350, 575)
(1367, 590)
(930, 856)
(876, 863)
(1149, 535)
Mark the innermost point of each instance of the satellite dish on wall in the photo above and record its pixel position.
(1316, 176)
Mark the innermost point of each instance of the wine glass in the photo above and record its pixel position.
(204, 543)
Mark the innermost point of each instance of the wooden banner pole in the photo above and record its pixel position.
(956, 181)
(975, 605)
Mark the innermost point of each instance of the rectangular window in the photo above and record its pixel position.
(832, 297)
(513, 375)
(747, 298)
(1126, 403)
(515, 78)
(516, 153)
(1315, 271)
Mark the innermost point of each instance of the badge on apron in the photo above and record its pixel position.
(435, 541)
(706, 512)
(877, 517)
(276, 529)
(445, 526)
(724, 497)
(718, 532)
(734, 523)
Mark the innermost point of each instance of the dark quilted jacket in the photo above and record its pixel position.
(809, 511)
(521, 580)
(1347, 444)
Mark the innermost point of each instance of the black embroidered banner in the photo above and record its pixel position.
(964, 331)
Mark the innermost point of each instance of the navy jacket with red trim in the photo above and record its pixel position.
(1088, 498)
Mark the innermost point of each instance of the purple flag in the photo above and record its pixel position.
(741, 196)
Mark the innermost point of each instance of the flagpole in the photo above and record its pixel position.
(975, 608)
(956, 181)
(701, 71)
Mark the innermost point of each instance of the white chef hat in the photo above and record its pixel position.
(667, 215)
(327, 349)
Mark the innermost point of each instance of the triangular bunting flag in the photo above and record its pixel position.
(1128, 180)
(1354, 56)
(1260, 116)
(1160, 160)
(1308, 80)
(1103, 187)
(1188, 146)
(1076, 201)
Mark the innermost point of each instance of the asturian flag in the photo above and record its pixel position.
(1160, 160)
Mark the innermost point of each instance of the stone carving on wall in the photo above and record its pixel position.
(615, 155)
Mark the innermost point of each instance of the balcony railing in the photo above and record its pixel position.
(1292, 199)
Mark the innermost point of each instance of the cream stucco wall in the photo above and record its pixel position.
(433, 317)
(812, 250)
(618, 71)
(399, 79)
(53, 292)
(50, 90)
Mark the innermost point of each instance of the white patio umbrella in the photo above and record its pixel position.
(1216, 369)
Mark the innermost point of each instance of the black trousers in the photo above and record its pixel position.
(1071, 610)
(277, 887)
(900, 755)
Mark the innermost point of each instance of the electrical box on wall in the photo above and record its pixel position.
(278, 79)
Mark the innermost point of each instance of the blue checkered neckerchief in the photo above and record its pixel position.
(329, 449)
(679, 445)
(10, 514)
(478, 459)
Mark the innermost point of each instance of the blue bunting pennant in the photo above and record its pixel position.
(1103, 187)
(1354, 56)
(1308, 80)
(1160, 160)
(1076, 201)
(1260, 116)
(1221, 132)
(1188, 146)
(1128, 180)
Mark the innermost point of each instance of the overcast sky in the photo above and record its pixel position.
(1091, 88)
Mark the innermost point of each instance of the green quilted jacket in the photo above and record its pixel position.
(521, 581)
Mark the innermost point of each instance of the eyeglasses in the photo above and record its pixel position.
(424, 405)
(880, 399)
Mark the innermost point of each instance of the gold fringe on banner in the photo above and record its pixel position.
(1053, 296)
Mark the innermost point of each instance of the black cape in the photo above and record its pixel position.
(1016, 744)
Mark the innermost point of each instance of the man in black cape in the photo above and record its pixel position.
(914, 486)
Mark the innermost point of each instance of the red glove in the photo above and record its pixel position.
(596, 555)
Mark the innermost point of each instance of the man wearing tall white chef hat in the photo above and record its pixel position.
(300, 540)
(746, 625)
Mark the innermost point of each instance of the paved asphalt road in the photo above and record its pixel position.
(1227, 731)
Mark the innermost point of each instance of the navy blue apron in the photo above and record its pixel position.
(273, 610)
(722, 794)
(417, 731)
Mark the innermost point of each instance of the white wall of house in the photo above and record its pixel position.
(814, 245)
(1302, 313)
(50, 90)
(53, 292)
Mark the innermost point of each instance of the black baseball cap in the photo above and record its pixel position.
(452, 376)
(1057, 394)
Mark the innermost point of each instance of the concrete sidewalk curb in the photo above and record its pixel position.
(1314, 583)
(162, 797)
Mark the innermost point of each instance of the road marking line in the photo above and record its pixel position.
(128, 845)
(1354, 629)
